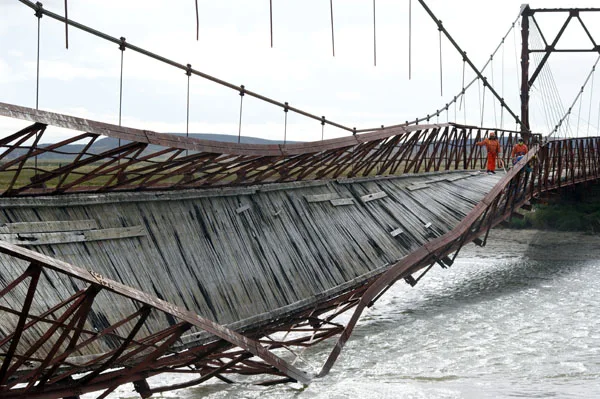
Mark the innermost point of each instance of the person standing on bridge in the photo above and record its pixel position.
(493, 151)
(518, 151)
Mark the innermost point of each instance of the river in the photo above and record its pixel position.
(519, 318)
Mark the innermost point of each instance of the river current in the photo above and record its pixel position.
(519, 318)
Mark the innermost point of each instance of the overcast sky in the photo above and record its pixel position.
(234, 46)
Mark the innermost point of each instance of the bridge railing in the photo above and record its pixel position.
(144, 160)
(566, 162)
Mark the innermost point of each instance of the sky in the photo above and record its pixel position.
(234, 45)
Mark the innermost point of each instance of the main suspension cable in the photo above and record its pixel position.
(477, 72)
(576, 97)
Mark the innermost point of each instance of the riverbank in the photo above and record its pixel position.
(573, 210)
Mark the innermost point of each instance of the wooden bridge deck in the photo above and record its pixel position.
(237, 256)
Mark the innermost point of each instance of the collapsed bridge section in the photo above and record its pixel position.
(215, 259)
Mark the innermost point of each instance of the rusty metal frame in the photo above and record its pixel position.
(258, 349)
(153, 161)
(528, 15)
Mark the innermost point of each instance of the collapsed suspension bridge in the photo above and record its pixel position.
(259, 248)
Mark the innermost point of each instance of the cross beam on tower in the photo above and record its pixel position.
(550, 46)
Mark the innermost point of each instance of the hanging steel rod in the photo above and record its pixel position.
(468, 60)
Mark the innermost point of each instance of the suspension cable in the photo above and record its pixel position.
(483, 105)
(579, 113)
(183, 67)
(39, 14)
(285, 111)
(242, 92)
(548, 83)
(66, 27)
(577, 97)
(122, 48)
(409, 39)
(591, 98)
(502, 92)
(493, 84)
(187, 126)
(332, 37)
(374, 37)
(462, 93)
(197, 23)
(253, 94)
(598, 125)
(479, 74)
(271, 20)
(441, 70)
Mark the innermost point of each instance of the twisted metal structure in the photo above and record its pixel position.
(147, 160)
(70, 357)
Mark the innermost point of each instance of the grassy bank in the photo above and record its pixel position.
(577, 210)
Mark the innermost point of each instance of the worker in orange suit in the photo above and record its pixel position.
(518, 151)
(493, 151)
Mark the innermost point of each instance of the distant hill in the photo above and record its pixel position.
(109, 143)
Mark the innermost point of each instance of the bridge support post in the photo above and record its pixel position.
(525, 128)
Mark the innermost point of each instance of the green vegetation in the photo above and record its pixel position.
(573, 211)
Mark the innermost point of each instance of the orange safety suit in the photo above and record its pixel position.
(518, 150)
(493, 149)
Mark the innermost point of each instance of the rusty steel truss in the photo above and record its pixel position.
(47, 365)
(528, 16)
(146, 160)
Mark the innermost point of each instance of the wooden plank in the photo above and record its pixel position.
(114, 233)
(242, 208)
(417, 186)
(52, 226)
(28, 239)
(373, 196)
(396, 232)
(342, 201)
(456, 177)
(320, 197)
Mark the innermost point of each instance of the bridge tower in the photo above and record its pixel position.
(525, 86)
(549, 46)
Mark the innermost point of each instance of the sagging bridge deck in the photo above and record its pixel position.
(174, 255)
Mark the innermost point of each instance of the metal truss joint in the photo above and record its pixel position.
(122, 45)
(39, 13)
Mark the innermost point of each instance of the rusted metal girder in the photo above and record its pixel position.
(549, 47)
(525, 87)
(50, 376)
(147, 160)
(139, 354)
